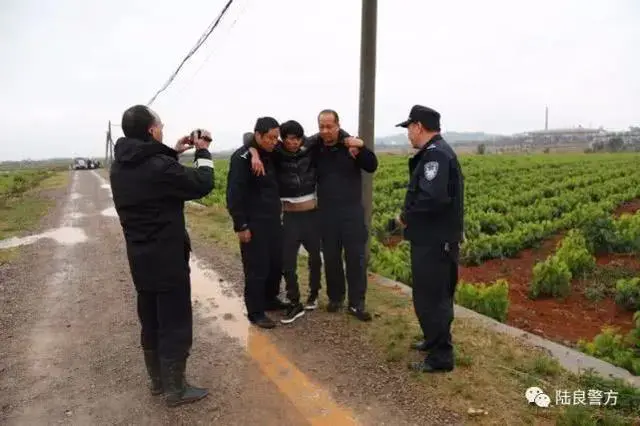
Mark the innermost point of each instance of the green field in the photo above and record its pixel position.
(512, 202)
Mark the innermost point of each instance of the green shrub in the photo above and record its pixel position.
(613, 348)
(574, 252)
(600, 234)
(628, 293)
(550, 278)
(627, 233)
(491, 300)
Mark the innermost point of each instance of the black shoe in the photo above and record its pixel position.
(277, 305)
(177, 390)
(264, 322)
(361, 314)
(312, 302)
(426, 367)
(334, 306)
(293, 313)
(153, 369)
(419, 346)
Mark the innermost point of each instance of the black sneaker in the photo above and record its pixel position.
(334, 306)
(361, 314)
(312, 303)
(277, 305)
(264, 322)
(293, 313)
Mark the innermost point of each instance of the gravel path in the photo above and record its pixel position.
(69, 351)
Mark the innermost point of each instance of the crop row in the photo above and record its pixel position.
(511, 202)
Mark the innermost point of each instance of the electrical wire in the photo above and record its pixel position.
(197, 46)
(204, 63)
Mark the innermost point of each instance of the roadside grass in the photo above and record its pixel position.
(22, 212)
(492, 371)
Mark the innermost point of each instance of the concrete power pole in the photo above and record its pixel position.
(368, 96)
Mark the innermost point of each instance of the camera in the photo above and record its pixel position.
(197, 134)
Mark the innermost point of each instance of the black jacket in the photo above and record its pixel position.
(252, 198)
(149, 188)
(340, 175)
(434, 202)
(296, 171)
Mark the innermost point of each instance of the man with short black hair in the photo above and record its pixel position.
(149, 188)
(433, 218)
(254, 205)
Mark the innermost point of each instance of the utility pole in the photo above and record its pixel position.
(368, 96)
(108, 149)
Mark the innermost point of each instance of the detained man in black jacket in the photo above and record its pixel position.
(254, 205)
(149, 188)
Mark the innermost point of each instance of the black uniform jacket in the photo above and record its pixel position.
(252, 198)
(340, 175)
(434, 203)
(149, 188)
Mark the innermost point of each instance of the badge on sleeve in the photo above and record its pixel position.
(430, 170)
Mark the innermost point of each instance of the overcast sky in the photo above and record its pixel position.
(69, 66)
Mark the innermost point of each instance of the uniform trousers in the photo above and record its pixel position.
(262, 264)
(435, 277)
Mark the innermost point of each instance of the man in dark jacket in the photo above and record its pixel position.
(342, 212)
(433, 217)
(254, 205)
(149, 188)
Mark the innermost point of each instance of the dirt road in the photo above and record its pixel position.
(69, 351)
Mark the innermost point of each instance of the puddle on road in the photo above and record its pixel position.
(64, 235)
(215, 299)
(110, 212)
(219, 301)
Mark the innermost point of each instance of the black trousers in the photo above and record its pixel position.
(301, 228)
(167, 321)
(262, 264)
(345, 232)
(435, 276)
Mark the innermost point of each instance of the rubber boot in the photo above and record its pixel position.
(177, 390)
(153, 369)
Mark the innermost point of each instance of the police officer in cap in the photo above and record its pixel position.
(432, 218)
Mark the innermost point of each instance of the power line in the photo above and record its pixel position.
(199, 43)
(204, 63)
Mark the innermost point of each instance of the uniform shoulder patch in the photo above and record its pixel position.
(431, 170)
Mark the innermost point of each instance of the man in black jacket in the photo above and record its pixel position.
(149, 188)
(342, 212)
(254, 205)
(433, 215)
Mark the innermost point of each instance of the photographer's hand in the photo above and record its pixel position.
(183, 144)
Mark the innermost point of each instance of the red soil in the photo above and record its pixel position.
(565, 321)
(628, 207)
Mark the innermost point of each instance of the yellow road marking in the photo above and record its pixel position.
(313, 402)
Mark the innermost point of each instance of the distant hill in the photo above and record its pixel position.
(452, 137)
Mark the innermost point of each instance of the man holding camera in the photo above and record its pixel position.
(432, 219)
(149, 188)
